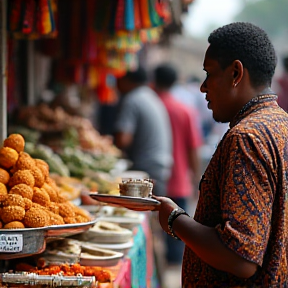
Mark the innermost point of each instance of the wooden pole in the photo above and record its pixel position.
(3, 65)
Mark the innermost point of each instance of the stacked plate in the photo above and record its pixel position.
(106, 232)
(73, 251)
(121, 216)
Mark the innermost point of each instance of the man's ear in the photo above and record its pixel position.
(237, 72)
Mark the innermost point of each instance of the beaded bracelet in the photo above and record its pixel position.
(172, 217)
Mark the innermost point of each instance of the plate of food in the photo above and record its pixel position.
(129, 202)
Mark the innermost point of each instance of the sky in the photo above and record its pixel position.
(203, 14)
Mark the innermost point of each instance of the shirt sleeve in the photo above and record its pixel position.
(247, 186)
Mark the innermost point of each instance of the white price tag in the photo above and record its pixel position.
(11, 243)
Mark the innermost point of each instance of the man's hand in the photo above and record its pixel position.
(164, 209)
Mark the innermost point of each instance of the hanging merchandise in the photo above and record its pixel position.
(129, 15)
(122, 41)
(105, 90)
(150, 35)
(119, 17)
(32, 19)
(136, 22)
(99, 38)
(137, 17)
(144, 12)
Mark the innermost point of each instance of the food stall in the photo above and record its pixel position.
(29, 254)
(45, 239)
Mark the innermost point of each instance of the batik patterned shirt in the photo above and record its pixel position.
(243, 194)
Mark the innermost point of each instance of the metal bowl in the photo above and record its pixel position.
(136, 188)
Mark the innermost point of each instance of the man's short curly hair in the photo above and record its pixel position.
(248, 43)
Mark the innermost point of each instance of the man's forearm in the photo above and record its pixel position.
(206, 244)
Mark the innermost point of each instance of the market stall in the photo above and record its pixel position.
(88, 44)
(46, 239)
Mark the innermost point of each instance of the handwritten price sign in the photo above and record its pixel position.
(11, 243)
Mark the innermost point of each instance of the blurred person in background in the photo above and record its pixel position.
(142, 129)
(238, 235)
(186, 141)
(281, 84)
(189, 94)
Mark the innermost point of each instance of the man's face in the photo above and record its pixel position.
(218, 88)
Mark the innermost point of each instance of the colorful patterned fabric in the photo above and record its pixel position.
(32, 19)
(243, 194)
(143, 270)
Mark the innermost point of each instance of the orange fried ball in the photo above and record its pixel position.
(52, 183)
(22, 189)
(15, 141)
(61, 199)
(4, 176)
(43, 166)
(40, 196)
(28, 203)
(81, 219)
(3, 192)
(24, 162)
(54, 207)
(38, 176)
(70, 220)
(66, 210)
(55, 219)
(38, 206)
(51, 192)
(8, 157)
(81, 212)
(14, 225)
(14, 200)
(36, 217)
(1, 225)
(22, 176)
(12, 213)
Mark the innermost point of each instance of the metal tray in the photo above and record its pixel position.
(66, 230)
(17, 243)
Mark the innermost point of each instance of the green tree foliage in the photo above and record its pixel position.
(271, 15)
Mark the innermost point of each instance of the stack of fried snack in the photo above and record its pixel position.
(29, 197)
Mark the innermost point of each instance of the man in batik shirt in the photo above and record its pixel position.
(238, 237)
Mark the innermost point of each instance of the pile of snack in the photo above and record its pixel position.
(29, 197)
